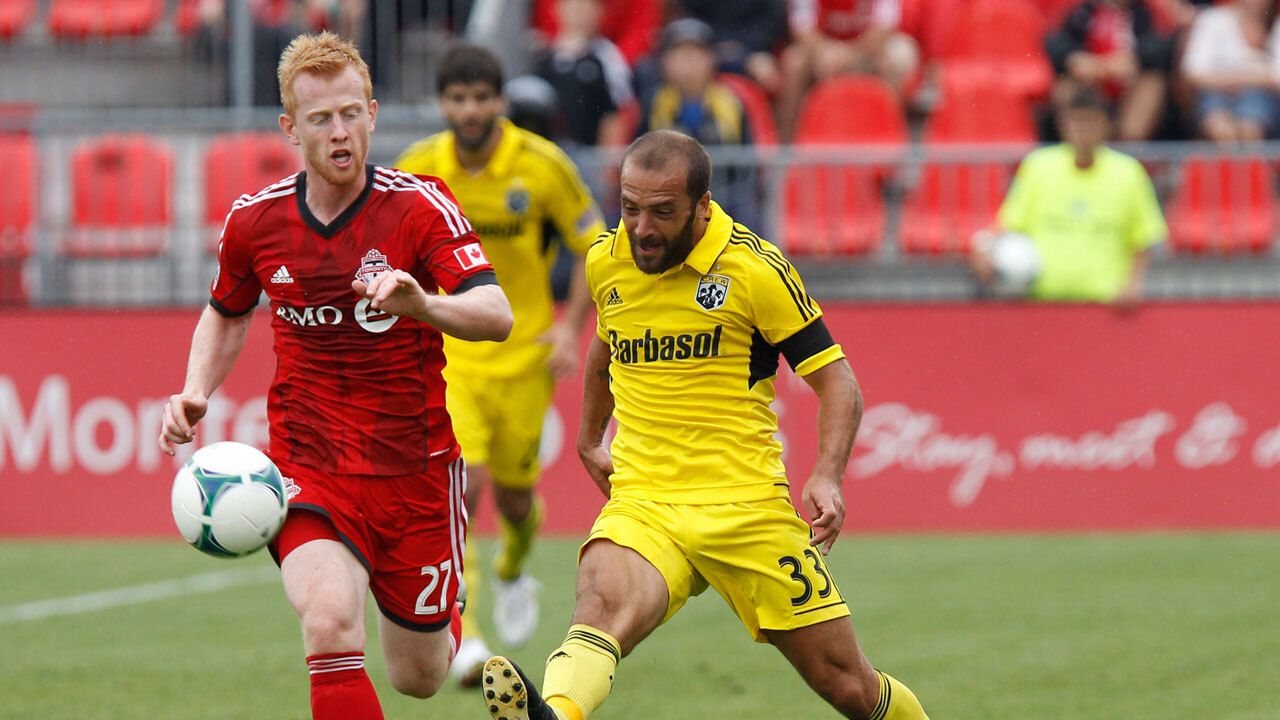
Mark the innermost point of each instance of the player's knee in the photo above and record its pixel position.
(331, 630)
(847, 691)
(416, 681)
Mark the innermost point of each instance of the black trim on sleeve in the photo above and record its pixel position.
(762, 364)
(805, 343)
(225, 312)
(485, 277)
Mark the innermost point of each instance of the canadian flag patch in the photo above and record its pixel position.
(470, 255)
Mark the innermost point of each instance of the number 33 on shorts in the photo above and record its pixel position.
(816, 569)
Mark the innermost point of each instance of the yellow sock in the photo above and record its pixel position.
(516, 541)
(897, 702)
(580, 672)
(472, 575)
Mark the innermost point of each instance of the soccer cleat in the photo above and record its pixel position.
(468, 663)
(509, 695)
(515, 609)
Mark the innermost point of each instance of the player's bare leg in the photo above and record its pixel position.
(515, 592)
(827, 656)
(417, 662)
(621, 599)
(327, 586)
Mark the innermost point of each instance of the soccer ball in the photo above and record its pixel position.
(1017, 263)
(228, 499)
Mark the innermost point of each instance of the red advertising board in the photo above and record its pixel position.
(978, 417)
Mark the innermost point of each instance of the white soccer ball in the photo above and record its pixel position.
(228, 499)
(1017, 263)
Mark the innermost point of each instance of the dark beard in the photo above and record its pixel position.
(673, 253)
(472, 146)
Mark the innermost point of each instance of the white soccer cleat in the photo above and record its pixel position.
(515, 609)
(468, 663)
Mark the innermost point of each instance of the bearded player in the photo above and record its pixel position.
(354, 259)
(693, 313)
(519, 189)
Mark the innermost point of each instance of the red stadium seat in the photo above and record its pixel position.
(837, 209)
(19, 209)
(756, 105)
(15, 15)
(83, 18)
(1223, 205)
(851, 109)
(970, 113)
(239, 163)
(120, 197)
(950, 204)
(831, 210)
(999, 44)
(930, 22)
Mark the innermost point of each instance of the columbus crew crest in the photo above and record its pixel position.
(373, 265)
(712, 291)
(517, 200)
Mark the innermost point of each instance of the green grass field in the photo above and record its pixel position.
(990, 627)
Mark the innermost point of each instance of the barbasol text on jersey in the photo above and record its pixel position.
(652, 348)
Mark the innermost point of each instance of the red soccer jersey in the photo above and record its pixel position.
(355, 390)
(844, 19)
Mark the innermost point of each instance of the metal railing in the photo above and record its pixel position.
(769, 188)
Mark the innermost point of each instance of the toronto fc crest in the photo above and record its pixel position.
(373, 265)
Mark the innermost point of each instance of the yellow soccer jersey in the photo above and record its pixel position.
(527, 183)
(694, 353)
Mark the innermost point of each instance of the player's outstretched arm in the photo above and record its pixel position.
(839, 414)
(597, 408)
(479, 313)
(214, 348)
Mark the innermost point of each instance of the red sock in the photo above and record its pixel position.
(455, 632)
(340, 688)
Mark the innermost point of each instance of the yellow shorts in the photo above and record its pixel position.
(755, 554)
(498, 422)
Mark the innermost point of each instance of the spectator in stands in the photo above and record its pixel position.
(830, 37)
(746, 35)
(275, 24)
(589, 74)
(1091, 212)
(691, 101)
(632, 25)
(1232, 62)
(1114, 46)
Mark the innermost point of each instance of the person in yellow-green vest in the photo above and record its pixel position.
(1090, 211)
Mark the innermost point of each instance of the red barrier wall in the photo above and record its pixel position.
(978, 418)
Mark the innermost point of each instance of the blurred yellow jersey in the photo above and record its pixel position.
(694, 353)
(527, 183)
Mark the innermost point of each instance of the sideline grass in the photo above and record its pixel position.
(990, 627)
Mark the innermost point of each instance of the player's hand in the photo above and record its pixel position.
(563, 359)
(599, 464)
(396, 292)
(181, 414)
(824, 502)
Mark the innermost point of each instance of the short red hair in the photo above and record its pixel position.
(325, 55)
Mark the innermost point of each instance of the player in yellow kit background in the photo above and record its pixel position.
(693, 313)
(512, 185)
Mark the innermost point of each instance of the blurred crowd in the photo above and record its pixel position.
(1169, 69)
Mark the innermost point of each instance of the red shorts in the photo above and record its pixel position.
(409, 532)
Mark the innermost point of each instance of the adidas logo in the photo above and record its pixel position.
(614, 298)
(282, 276)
